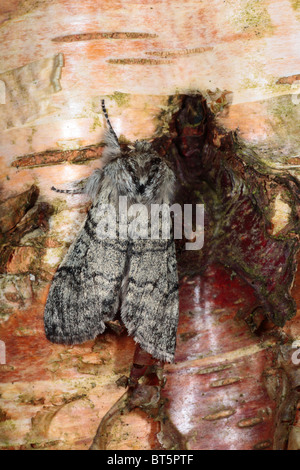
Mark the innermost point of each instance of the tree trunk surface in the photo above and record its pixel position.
(216, 87)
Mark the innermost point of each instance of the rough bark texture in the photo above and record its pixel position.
(215, 86)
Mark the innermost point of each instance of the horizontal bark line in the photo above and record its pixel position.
(53, 157)
(227, 357)
(180, 52)
(139, 61)
(289, 80)
(103, 35)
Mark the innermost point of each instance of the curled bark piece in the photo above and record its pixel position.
(287, 396)
(102, 435)
(28, 90)
(13, 209)
(145, 396)
(19, 216)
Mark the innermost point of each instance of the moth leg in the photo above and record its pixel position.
(77, 187)
(66, 191)
(145, 365)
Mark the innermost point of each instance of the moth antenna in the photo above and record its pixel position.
(112, 132)
(66, 191)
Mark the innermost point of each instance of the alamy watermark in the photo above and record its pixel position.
(2, 93)
(139, 221)
(296, 354)
(2, 352)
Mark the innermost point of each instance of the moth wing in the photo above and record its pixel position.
(85, 290)
(152, 279)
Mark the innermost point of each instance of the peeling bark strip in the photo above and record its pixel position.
(225, 382)
(103, 35)
(286, 390)
(13, 209)
(288, 80)
(16, 220)
(262, 445)
(54, 157)
(220, 415)
(28, 90)
(250, 422)
(212, 370)
(55, 77)
(137, 61)
(179, 53)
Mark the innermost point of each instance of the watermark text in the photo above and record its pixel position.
(139, 221)
(2, 352)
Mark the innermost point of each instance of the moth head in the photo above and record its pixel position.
(142, 146)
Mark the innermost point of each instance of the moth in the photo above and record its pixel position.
(134, 279)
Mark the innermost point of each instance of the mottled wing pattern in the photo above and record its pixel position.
(85, 291)
(150, 297)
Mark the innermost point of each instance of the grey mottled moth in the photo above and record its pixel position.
(134, 278)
